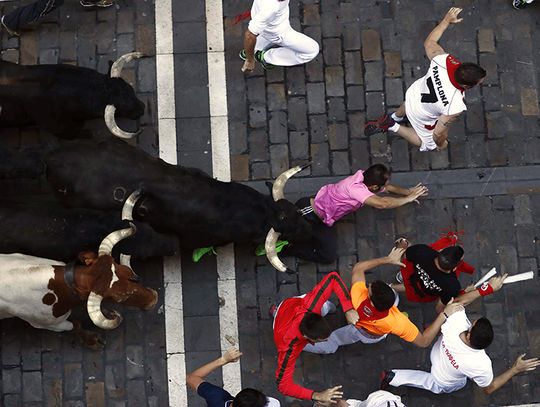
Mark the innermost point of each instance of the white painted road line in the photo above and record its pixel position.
(172, 276)
(219, 128)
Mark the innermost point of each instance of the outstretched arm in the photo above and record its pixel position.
(389, 202)
(360, 268)
(424, 339)
(520, 365)
(431, 44)
(195, 378)
(493, 285)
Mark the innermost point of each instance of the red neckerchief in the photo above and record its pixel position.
(368, 312)
(242, 16)
(451, 65)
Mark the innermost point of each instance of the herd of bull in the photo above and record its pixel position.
(111, 195)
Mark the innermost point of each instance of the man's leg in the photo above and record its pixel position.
(25, 15)
(294, 49)
(410, 135)
(345, 335)
(418, 379)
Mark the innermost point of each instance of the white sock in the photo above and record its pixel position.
(395, 127)
(396, 117)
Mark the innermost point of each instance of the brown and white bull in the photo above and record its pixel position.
(43, 292)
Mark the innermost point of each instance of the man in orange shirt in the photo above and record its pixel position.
(379, 316)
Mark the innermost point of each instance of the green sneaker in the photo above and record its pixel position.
(280, 244)
(201, 251)
(259, 56)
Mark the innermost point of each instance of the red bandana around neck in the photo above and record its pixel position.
(451, 65)
(368, 312)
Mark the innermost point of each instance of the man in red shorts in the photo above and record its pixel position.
(299, 321)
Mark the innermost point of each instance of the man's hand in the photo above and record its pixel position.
(231, 355)
(523, 365)
(352, 316)
(416, 192)
(443, 146)
(497, 282)
(329, 395)
(452, 308)
(395, 255)
(249, 65)
(451, 16)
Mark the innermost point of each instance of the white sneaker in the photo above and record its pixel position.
(399, 277)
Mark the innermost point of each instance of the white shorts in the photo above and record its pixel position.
(417, 119)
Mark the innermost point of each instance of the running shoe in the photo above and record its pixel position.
(12, 33)
(381, 125)
(519, 4)
(91, 4)
(259, 56)
(401, 243)
(386, 378)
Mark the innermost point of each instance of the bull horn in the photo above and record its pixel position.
(93, 307)
(110, 121)
(106, 246)
(116, 68)
(279, 184)
(271, 254)
(127, 209)
(125, 259)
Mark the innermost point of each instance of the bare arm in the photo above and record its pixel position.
(389, 202)
(440, 133)
(496, 284)
(520, 365)
(395, 189)
(195, 378)
(360, 268)
(250, 40)
(424, 339)
(431, 44)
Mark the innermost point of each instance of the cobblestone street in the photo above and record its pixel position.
(486, 184)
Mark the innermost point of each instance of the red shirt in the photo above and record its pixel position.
(290, 342)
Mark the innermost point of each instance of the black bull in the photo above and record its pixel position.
(59, 98)
(198, 209)
(49, 230)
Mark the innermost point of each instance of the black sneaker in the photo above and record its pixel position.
(92, 4)
(518, 4)
(386, 378)
(12, 33)
(381, 125)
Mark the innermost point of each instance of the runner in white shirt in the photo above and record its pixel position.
(379, 398)
(434, 101)
(459, 355)
(269, 26)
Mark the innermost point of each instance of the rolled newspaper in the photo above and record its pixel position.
(488, 275)
(519, 277)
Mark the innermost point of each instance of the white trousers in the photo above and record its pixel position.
(424, 380)
(346, 335)
(294, 48)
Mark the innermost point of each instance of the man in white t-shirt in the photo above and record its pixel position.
(435, 101)
(270, 27)
(459, 355)
(379, 398)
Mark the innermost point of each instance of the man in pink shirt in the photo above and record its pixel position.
(334, 201)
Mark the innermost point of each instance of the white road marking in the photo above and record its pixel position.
(172, 276)
(217, 88)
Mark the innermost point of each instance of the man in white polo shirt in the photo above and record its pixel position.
(270, 27)
(435, 101)
(459, 355)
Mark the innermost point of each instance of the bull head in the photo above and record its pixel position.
(110, 110)
(105, 249)
(272, 236)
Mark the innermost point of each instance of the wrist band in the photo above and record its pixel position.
(485, 289)
(445, 315)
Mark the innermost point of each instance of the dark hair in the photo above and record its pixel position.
(481, 334)
(314, 326)
(382, 296)
(250, 398)
(469, 74)
(450, 257)
(377, 174)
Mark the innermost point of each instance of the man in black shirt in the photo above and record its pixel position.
(432, 277)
